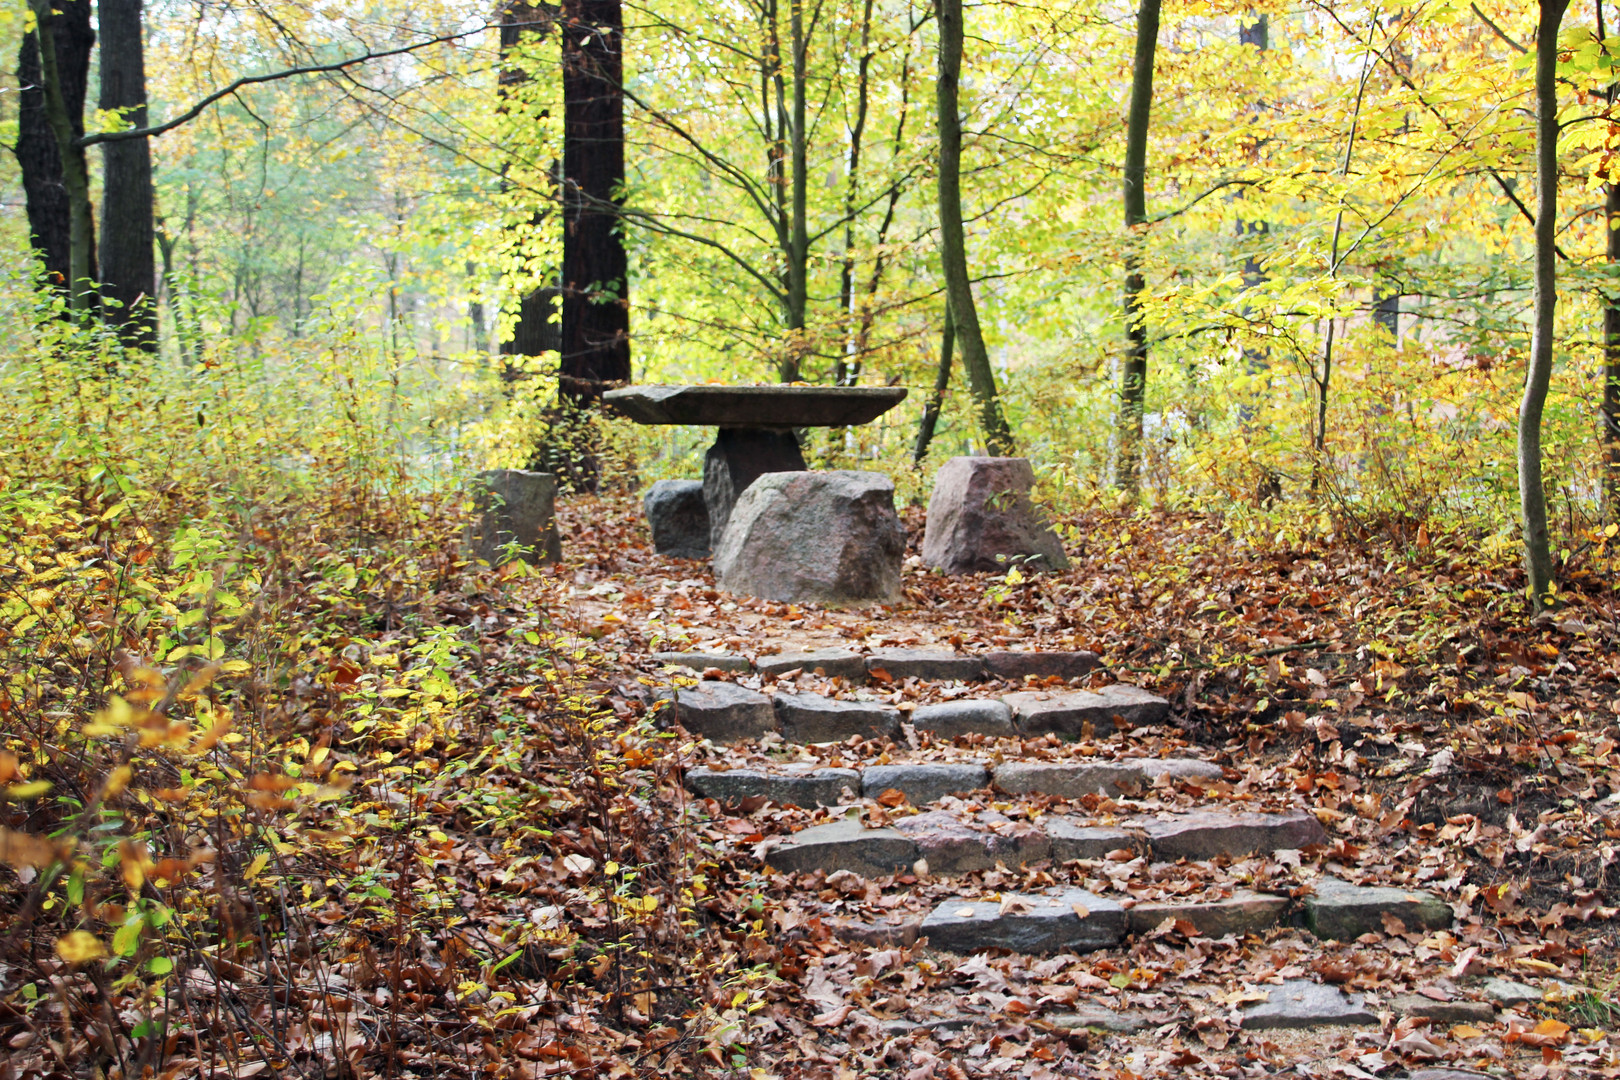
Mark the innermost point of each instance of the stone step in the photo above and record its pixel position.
(1341, 911)
(725, 712)
(1072, 919)
(923, 783)
(953, 845)
(888, 665)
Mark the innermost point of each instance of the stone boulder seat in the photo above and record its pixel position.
(829, 538)
(980, 519)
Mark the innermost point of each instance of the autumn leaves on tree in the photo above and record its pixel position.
(1314, 223)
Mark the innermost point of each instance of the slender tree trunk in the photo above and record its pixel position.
(775, 104)
(128, 263)
(1255, 31)
(1134, 371)
(1609, 408)
(1532, 500)
(39, 158)
(596, 286)
(868, 313)
(1609, 415)
(1324, 376)
(952, 238)
(799, 252)
(936, 398)
(849, 363)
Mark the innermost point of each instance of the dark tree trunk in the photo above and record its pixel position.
(1134, 371)
(1538, 562)
(998, 438)
(1254, 31)
(128, 267)
(595, 286)
(1609, 410)
(1387, 309)
(534, 332)
(936, 399)
(38, 158)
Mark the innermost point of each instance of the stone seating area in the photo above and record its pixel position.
(778, 532)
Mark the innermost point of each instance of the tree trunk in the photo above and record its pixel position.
(595, 272)
(1609, 413)
(1532, 500)
(952, 240)
(38, 158)
(799, 236)
(1387, 309)
(848, 366)
(936, 400)
(1133, 372)
(128, 266)
(534, 331)
(1255, 31)
(1609, 408)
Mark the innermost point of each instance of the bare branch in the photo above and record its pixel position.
(251, 80)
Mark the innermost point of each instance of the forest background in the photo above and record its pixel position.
(1336, 248)
(241, 652)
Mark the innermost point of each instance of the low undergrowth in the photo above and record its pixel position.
(290, 787)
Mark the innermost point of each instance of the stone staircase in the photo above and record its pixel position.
(992, 810)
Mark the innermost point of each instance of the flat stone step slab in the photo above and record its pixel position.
(1206, 834)
(1443, 1012)
(1179, 768)
(932, 665)
(1340, 911)
(830, 664)
(1070, 712)
(1243, 912)
(894, 931)
(1072, 920)
(1014, 666)
(1510, 994)
(953, 719)
(724, 712)
(1073, 840)
(793, 785)
(1102, 1018)
(1298, 1003)
(923, 784)
(1074, 779)
(844, 845)
(954, 846)
(811, 718)
(1067, 780)
(699, 661)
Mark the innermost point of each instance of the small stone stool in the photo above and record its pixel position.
(980, 519)
(679, 518)
(515, 506)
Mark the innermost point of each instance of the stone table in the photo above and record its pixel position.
(755, 427)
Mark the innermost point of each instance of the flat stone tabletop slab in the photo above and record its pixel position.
(755, 406)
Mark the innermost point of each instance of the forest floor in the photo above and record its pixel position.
(1393, 686)
(448, 838)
